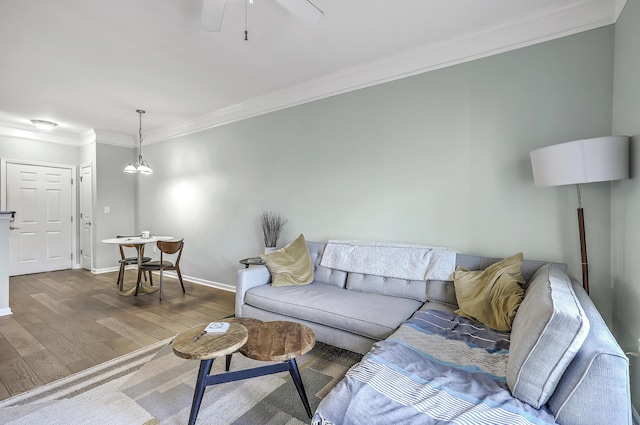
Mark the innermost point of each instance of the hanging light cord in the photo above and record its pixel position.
(140, 112)
(246, 14)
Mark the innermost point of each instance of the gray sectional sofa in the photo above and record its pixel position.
(586, 382)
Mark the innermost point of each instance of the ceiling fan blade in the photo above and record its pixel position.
(212, 13)
(303, 10)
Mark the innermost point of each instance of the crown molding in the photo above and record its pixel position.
(618, 8)
(65, 138)
(544, 25)
(29, 132)
(113, 138)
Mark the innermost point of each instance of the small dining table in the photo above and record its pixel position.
(138, 242)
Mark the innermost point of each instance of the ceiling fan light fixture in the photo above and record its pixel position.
(303, 10)
(44, 125)
(212, 14)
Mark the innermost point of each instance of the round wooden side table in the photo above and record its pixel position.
(281, 341)
(195, 344)
(251, 261)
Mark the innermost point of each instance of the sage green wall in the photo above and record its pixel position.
(625, 229)
(441, 158)
(114, 189)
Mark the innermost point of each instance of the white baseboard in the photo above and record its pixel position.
(5, 311)
(105, 270)
(217, 285)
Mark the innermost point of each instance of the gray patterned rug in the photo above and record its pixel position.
(152, 386)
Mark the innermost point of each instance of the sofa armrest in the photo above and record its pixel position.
(247, 279)
(595, 387)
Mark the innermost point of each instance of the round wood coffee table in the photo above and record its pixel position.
(264, 341)
(195, 344)
(278, 341)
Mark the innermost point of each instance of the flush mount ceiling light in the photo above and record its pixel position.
(44, 125)
(141, 166)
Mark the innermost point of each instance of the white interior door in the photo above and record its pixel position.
(41, 235)
(85, 216)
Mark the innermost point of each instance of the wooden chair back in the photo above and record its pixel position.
(127, 245)
(171, 247)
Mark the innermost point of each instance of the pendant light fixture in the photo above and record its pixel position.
(141, 166)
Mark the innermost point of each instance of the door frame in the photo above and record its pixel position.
(75, 264)
(80, 246)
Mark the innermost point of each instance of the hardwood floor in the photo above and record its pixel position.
(67, 321)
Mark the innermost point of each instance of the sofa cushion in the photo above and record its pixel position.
(548, 330)
(290, 265)
(442, 291)
(491, 296)
(357, 312)
(330, 276)
(315, 252)
(414, 289)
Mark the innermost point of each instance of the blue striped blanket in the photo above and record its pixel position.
(437, 368)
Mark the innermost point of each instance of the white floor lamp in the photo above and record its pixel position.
(582, 161)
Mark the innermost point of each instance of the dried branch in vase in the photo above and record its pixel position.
(272, 224)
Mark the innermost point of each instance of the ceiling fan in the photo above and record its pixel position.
(213, 11)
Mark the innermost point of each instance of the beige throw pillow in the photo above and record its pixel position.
(290, 265)
(491, 296)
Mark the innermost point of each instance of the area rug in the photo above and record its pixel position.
(152, 386)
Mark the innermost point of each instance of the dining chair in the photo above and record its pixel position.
(166, 248)
(126, 261)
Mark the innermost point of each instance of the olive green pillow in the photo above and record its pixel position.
(491, 296)
(290, 265)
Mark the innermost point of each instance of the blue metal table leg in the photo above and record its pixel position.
(295, 375)
(201, 384)
(228, 363)
(204, 380)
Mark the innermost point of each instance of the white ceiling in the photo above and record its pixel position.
(89, 64)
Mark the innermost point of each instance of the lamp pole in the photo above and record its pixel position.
(583, 244)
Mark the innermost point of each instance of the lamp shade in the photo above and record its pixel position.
(581, 161)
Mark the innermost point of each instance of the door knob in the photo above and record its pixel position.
(88, 223)
(13, 228)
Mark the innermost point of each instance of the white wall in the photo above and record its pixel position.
(625, 229)
(33, 150)
(42, 152)
(441, 158)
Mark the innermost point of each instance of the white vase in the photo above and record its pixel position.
(268, 249)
